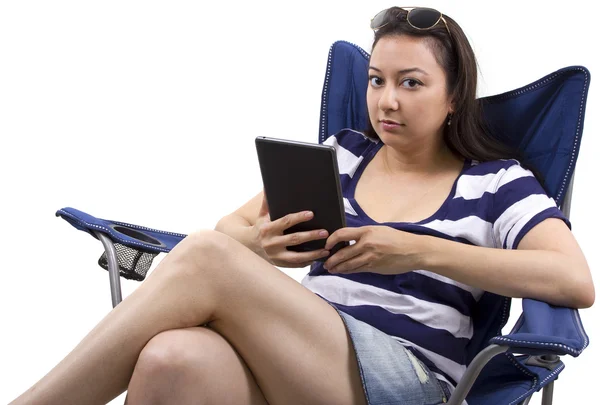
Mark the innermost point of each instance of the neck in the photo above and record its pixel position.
(425, 159)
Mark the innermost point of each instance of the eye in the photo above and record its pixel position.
(375, 81)
(410, 83)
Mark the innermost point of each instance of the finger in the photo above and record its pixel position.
(342, 256)
(297, 238)
(355, 264)
(290, 220)
(343, 235)
(302, 259)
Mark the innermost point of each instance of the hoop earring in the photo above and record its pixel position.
(449, 119)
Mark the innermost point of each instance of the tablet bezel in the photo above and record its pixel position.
(320, 167)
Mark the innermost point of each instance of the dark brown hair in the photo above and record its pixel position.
(467, 134)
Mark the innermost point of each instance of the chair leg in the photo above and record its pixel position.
(465, 384)
(113, 268)
(547, 394)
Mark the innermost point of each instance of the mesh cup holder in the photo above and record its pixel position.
(134, 233)
(133, 263)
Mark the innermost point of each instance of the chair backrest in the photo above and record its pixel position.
(543, 120)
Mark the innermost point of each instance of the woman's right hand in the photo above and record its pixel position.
(272, 243)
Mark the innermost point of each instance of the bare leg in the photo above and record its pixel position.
(290, 339)
(192, 366)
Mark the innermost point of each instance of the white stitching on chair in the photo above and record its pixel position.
(557, 345)
(526, 372)
(577, 133)
(581, 104)
(552, 374)
(108, 230)
(143, 228)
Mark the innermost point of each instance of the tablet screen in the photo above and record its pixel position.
(300, 176)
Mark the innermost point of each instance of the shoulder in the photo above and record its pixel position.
(351, 141)
(480, 178)
(499, 171)
(493, 167)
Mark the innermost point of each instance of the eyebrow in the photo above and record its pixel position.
(404, 71)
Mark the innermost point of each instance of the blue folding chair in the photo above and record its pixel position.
(544, 120)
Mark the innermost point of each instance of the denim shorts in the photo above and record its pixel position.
(390, 373)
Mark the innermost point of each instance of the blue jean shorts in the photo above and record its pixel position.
(390, 373)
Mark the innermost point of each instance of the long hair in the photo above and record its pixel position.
(467, 135)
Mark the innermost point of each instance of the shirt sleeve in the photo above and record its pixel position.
(519, 204)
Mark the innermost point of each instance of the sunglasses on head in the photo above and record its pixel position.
(420, 18)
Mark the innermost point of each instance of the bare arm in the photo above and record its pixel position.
(548, 265)
(239, 224)
(251, 226)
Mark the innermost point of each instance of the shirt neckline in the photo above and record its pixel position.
(361, 168)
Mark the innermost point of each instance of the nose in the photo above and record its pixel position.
(389, 99)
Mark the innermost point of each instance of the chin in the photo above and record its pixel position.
(399, 140)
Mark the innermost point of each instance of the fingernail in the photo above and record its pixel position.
(308, 214)
(324, 253)
(323, 233)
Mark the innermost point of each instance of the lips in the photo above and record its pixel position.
(390, 125)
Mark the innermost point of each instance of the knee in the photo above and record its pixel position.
(160, 360)
(208, 245)
(198, 253)
(170, 357)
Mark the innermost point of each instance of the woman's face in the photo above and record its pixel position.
(406, 96)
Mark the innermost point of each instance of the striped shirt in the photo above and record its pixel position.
(491, 204)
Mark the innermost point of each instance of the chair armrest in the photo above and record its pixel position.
(133, 236)
(128, 249)
(545, 329)
(542, 329)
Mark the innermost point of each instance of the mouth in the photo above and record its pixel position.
(390, 122)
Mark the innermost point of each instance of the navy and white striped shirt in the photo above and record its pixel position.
(492, 204)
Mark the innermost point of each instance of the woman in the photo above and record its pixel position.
(438, 214)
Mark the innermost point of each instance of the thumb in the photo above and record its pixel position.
(264, 207)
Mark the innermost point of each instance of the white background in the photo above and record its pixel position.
(146, 112)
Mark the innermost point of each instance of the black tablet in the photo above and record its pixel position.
(301, 176)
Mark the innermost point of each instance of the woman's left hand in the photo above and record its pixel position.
(378, 249)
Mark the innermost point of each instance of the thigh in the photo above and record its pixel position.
(295, 343)
(193, 366)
